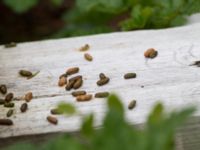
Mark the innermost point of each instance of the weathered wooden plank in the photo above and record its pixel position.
(167, 78)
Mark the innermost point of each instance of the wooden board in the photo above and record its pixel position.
(169, 78)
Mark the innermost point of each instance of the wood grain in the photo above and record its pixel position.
(169, 78)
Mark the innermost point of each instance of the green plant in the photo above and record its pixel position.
(117, 134)
(21, 6)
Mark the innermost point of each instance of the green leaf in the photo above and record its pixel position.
(21, 146)
(20, 6)
(114, 104)
(87, 125)
(57, 2)
(67, 108)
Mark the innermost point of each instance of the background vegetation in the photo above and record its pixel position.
(116, 133)
(25, 20)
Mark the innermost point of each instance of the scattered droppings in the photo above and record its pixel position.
(62, 81)
(9, 97)
(78, 93)
(78, 83)
(83, 98)
(24, 107)
(28, 97)
(52, 120)
(10, 113)
(130, 75)
(196, 63)
(150, 53)
(3, 89)
(25, 73)
(56, 111)
(88, 57)
(103, 81)
(102, 76)
(72, 70)
(85, 48)
(69, 85)
(6, 122)
(9, 105)
(101, 94)
(2, 101)
(132, 104)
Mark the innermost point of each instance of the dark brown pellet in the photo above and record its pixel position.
(24, 107)
(101, 94)
(10, 113)
(78, 93)
(83, 98)
(75, 78)
(73, 70)
(130, 75)
(62, 81)
(9, 97)
(63, 75)
(3, 89)
(132, 104)
(6, 122)
(70, 84)
(25, 73)
(9, 104)
(78, 84)
(56, 111)
(88, 57)
(52, 120)
(150, 53)
(196, 63)
(103, 81)
(11, 44)
(2, 101)
(85, 47)
(102, 76)
(28, 96)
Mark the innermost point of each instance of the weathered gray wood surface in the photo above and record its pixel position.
(167, 78)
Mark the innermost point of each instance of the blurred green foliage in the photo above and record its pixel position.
(94, 16)
(98, 16)
(117, 134)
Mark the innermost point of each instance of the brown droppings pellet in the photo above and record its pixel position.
(78, 83)
(11, 44)
(132, 104)
(150, 53)
(130, 75)
(28, 97)
(85, 47)
(69, 85)
(6, 122)
(103, 81)
(88, 57)
(72, 70)
(10, 113)
(25, 73)
(9, 104)
(62, 81)
(2, 101)
(3, 89)
(56, 111)
(75, 78)
(63, 75)
(83, 98)
(52, 119)
(78, 93)
(102, 76)
(24, 107)
(9, 97)
(101, 94)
